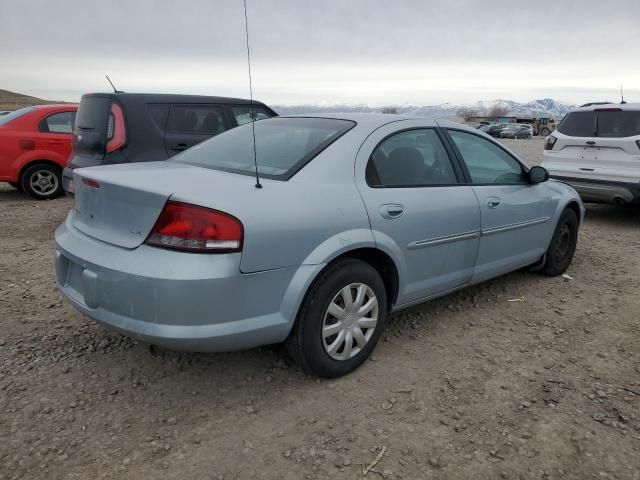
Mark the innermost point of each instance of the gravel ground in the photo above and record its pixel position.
(467, 386)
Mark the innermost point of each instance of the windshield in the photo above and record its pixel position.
(9, 117)
(283, 146)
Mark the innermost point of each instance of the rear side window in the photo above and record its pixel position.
(283, 146)
(617, 123)
(486, 162)
(196, 119)
(242, 114)
(159, 113)
(9, 117)
(93, 113)
(58, 123)
(410, 159)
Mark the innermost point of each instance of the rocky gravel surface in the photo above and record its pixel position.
(523, 377)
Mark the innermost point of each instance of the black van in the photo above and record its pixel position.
(136, 127)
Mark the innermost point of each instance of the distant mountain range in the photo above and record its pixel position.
(546, 107)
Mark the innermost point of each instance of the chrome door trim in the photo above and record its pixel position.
(515, 226)
(441, 240)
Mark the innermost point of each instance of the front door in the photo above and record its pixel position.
(515, 215)
(419, 212)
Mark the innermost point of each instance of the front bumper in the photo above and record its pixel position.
(603, 191)
(183, 301)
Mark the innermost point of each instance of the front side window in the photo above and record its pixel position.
(283, 146)
(410, 159)
(242, 114)
(196, 119)
(58, 123)
(486, 162)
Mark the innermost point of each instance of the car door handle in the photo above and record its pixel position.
(391, 210)
(591, 142)
(494, 202)
(180, 147)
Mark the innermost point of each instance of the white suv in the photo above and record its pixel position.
(596, 149)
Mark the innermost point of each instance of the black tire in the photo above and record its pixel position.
(563, 244)
(33, 182)
(16, 186)
(545, 132)
(305, 343)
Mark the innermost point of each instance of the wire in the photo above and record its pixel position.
(253, 120)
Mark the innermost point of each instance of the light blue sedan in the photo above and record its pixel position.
(356, 217)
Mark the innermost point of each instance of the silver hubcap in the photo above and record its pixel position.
(44, 182)
(350, 321)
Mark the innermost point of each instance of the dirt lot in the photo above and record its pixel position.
(468, 386)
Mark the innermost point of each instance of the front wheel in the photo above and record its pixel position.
(563, 244)
(42, 181)
(340, 320)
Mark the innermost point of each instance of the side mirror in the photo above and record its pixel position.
(538, 174)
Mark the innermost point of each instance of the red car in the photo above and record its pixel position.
(35, 144)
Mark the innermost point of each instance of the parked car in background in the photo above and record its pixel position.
(494, 129)
(132, 127)
(596, 149)
(188, 254)
(516, 130)
(35, 144)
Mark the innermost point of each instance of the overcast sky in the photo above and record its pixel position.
(378, 52)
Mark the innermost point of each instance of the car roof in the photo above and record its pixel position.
(601, 106)
(370, 120)
(174, 98)
(56, 106)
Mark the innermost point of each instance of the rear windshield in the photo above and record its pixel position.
(93, 113)
(9, 117)
(624, 123)
(283, 146)
(601, 123)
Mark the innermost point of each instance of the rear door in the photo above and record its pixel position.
(515, 215)
(418, 209)
(601, 144)
(189, 125)
(55, 132)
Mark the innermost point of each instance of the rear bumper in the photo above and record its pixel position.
(603, 191)
(183, 301)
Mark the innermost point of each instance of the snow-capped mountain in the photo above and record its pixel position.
(545, 107)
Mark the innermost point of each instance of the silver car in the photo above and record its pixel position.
(355, 218)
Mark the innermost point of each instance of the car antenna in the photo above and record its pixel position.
(253, 119)
(622, 102)
(115, 90)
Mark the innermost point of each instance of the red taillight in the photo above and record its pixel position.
(188, 227)
(90, 182)
(551, 141)
(116, 132)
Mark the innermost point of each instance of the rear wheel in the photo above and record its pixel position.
(340, 320)
(563, 244)
(42, 181)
